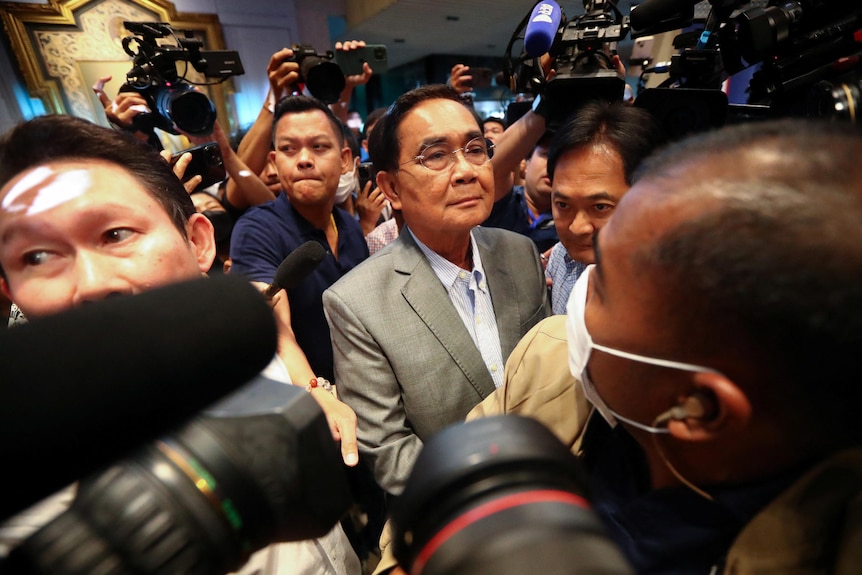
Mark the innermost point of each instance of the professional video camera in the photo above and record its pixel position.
(581, 50)
(495, 496)
(323, 77)
(174, 103)
(810, 52)
(807, 53)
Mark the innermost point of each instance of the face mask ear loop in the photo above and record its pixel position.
(673, 469)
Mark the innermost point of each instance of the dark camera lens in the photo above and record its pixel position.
(189, 110)
(324, 78)
(500, 496)
(260, 467)
(837, 101)
(763, 31)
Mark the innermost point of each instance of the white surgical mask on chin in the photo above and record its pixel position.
(347, 184)
(581, 346)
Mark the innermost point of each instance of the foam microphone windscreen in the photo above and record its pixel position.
(82, 387)
(296, 267)
(542, 28)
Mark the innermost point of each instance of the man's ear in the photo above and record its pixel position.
(522, 169)
(202, 240)
(714, 406)
(346, 160)
(386, 183)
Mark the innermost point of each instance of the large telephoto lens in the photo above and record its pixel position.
(323, 77)
(185, 108)
(499, 496)
(260, 467)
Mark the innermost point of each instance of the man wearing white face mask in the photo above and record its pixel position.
(705, 363)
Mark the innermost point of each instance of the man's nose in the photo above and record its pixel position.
(465, 171)
(582, 224)
(305, 158)
(96, 278)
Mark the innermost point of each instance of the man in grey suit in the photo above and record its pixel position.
(421, 331)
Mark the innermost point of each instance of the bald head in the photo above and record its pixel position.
(762, 260)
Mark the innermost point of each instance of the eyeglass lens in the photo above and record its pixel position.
(440, 156)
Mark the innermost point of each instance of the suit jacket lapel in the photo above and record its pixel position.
(504, 294)
(428, 298)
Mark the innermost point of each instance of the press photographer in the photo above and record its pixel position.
(174, 104)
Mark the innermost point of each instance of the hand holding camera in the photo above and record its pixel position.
(283, 73)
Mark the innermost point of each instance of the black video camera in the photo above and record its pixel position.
(174, 103)
(582, 49)
(321, 75)
(807, 53)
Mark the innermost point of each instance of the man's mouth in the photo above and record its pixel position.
(468, 200)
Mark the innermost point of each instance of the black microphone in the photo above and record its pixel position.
(653, 12)
(296, 267)
(81, 388)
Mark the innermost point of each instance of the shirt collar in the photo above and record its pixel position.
(445, 270)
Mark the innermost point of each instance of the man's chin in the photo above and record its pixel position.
(308, 190)
(582, 254)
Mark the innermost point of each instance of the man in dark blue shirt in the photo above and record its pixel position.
(310, 154)
(527, 209)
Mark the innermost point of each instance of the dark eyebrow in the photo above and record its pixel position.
(430, 141)
(602, 196)
(592, 197)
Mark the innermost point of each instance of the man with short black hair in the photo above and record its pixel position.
(421, 330)
(590, 163)
(309, 155)
(493, 128)
(527, 209)
(88, 213)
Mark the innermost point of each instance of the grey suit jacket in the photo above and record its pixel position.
(404, 360)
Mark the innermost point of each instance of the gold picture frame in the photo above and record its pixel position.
(62, 47)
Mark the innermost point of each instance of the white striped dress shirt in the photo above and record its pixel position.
(469, 293)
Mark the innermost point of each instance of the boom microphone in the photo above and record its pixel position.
(542, 28)
(296, 267)
(82, 387)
